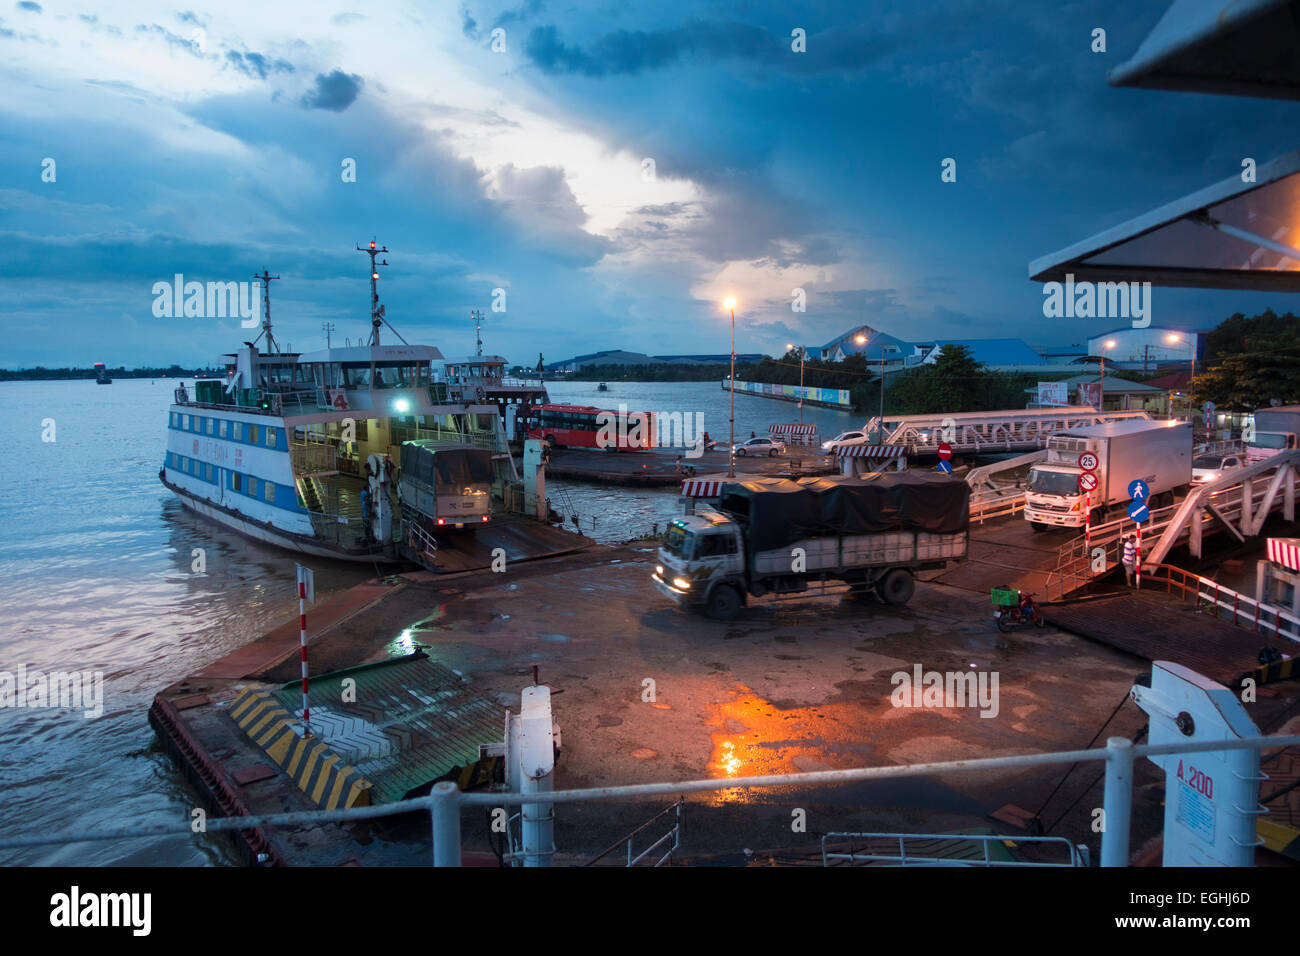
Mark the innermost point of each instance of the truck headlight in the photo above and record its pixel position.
(659, 570)
(681, 584)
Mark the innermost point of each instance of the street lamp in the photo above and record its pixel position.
(730, 306)
(880, 422)
(1101, 402)
(803, 352)
(1175, 337)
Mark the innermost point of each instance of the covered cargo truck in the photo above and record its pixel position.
(1273, 430)
(1157, 452)
(445, 486)
(775, 536)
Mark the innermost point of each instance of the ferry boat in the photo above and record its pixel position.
(482, 378)
(101, 374)
(301, 450)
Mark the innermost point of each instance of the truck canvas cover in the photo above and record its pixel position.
(446, 466)
(779, 512)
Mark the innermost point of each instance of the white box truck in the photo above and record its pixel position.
(1158, 452)
(1274, 430)
(775, 536)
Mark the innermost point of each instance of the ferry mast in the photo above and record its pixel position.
(271, 345)
(477, 316)
(376, 310)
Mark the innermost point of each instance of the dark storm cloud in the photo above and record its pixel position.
(635, 51)
(335, 91)
(256, 65)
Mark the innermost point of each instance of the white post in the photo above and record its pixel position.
(1117, 802)
(446, 824)
(536, 754)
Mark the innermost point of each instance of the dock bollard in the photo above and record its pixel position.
(446, 824)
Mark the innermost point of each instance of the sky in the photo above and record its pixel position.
(615, 169)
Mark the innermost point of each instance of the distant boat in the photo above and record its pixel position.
(101, 375)
(602, 387)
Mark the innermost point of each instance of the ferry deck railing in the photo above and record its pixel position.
(1075, 856)
(446, 801)
(1227, 604)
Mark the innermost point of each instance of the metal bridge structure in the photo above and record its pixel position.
(1023, 429)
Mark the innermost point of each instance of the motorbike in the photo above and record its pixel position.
(1015, 609)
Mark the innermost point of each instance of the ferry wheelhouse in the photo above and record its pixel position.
(303, 450)
(482, 378)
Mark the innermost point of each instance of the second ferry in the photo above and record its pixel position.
(356, 453)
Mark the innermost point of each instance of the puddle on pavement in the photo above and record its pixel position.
(753, 737)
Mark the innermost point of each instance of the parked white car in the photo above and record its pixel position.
(844, 439)
(1208, 467)
(759, 446)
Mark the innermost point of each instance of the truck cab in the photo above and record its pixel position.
(1267, 444)
(1052, 496)
(701, 552)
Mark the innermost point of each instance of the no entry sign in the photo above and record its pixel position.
(1088, 461)
(1087, 482)
(945, 451)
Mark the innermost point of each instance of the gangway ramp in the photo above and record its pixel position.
(518, 539)
(1157, 626)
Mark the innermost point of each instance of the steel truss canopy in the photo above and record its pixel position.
(1232, 47)
(1231, 235)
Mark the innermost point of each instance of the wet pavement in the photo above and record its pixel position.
(646, 693)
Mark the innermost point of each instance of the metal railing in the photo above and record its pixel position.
(1076, 855)
(1226, 603)
(446, 801)
(1075, 557)
(422, 543)
(674, 834)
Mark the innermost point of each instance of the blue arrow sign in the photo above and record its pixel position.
(945, 467)
(1138, 511)
(1138, 490)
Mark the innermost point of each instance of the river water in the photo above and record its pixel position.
(97, 560)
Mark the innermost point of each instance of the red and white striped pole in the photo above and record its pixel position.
(302, 643)
(1137, 558)
(1087, 525)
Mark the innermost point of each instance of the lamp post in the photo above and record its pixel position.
(803, 352)
(731, 445)
(1173, 337)
(1101, 401)
(880, 421)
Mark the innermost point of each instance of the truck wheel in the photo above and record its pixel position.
(1037, 527)
(724, 603)
(897, 587)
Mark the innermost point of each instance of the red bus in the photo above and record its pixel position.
(586, 426)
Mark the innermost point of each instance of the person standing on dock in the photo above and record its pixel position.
(1129, 558)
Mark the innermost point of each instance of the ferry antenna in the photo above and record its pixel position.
(377, 318)
(266, 279)
(477, 316)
